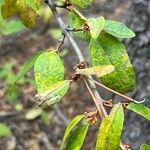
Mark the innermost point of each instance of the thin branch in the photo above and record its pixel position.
(62, 40)
(95, 100)
(115, 92)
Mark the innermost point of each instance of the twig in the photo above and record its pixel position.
(95, 100)
(117, 93)
(61, 42)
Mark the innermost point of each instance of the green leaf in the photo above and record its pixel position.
(77, 137)
(4, 130)
(11, 27)
(70, 127)
(53, 94)
(107, 50)
(118, 29)
(145, 147)
(34, 4)
(48, 70)
(140, 109)
(84, 4)
(97, 70)
(45, 118)
(33, 113)
(110, 130)
(77, 20)
(27, 66)
(96, 26)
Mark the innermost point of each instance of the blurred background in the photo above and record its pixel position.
(29, 129)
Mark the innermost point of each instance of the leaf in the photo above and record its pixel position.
(45, 118)
(28, 17)
(48, 70)
(11, 27)
(77, 137)
(84, 4)
(145, 147)
(70, 127)
(107, 50)
(9, 8)
(110, 130)
(33, 113)
(140, 109)
(4, 130)
(77, 20)
(27, 10)
(97, 70)
(27, 66)
(34, 4)
(96, 26)
(118, 29)
(53, 94)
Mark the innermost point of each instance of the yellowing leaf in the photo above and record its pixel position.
(96, 26)
(48, 70)
(110, 130)
(140, 109)
(9, 8)
(107, 50)
(28, 17)
(97, 70)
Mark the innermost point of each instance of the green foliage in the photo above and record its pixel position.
(70, 127)
(145, 147)
(96, 25)
(107, 50)
(140, 109)
(97, 70)
(77, 137)
(110, 130)
(4, 130)
(77, 20)
(84, 4)
(118, 29)
(108, 57)
(48, 70)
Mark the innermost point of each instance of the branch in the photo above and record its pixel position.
(63, 27)
(117, 93)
